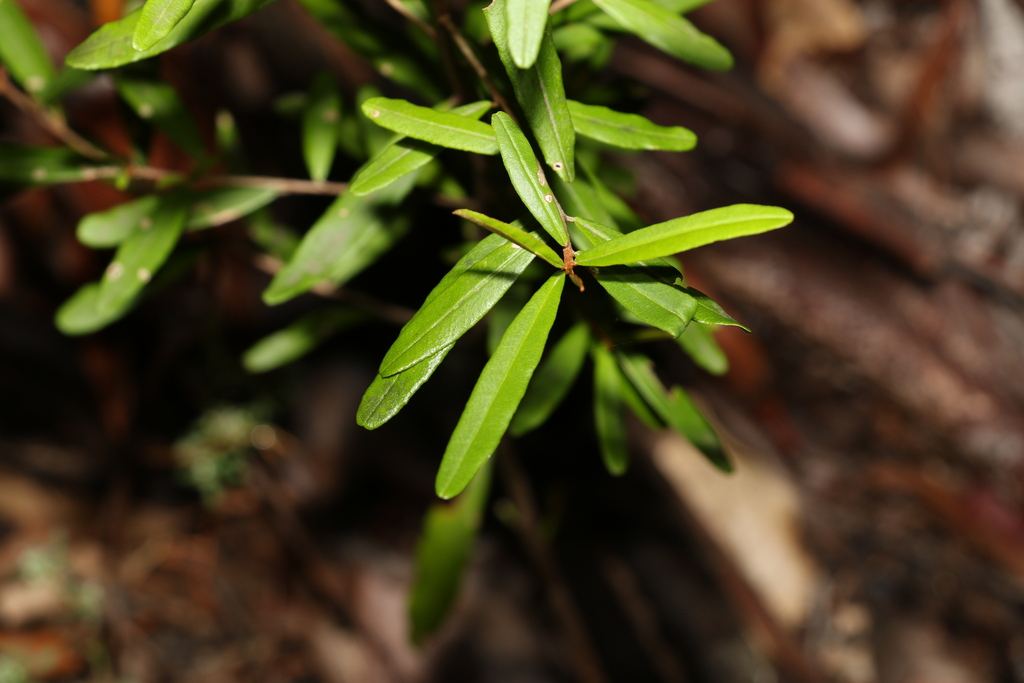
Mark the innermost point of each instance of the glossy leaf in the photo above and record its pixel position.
(700, 345)
(499, 390)
(541, 94)
(142, 253)
(445, 129)
(299, 338)
(388, 395)
(21, 51)
(349, 236)
(465, 296)
(157, 19)
(449, 532)
(514, 234)
(608, 417)
(404, 156)
(109, 228)
(667, 31)
(525, 21)
(81, 314)
(158, 103)
(709, 312)
(688, 232)
(48, 165)
(222, 205)
(552, 381)
(667, 268)
(111, 45)
(528, 177)
(320, 126)
(629, 131)
(675, 409)
(646, 289)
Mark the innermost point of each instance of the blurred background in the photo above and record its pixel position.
(166, 516)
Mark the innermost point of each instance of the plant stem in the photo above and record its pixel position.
(404, 11)
(467, 51)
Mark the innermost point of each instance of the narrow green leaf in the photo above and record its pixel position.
(675, 409)
(222, 205)
(48, 165)
(541, 94)
(462, 299)
(629, 131)
(422, 123)
(349, 236)
(582, 42)
(111, 45)
(156, 21)
(499, 390)
(526, 21)
(505, 311)
(699, 345)
(528, 177)
(688, 232)
(109, 228)
(625, 218)
(320, 126)
(709, 312)
(669, 32)
(142, 253)
(608, 418)
(299, 338)
(449, 532)
(82, 315)
(513, 234)
(388, 395)
(404, 156)
(552, 381)
(21, 51)
(647, 289)
(158, 103)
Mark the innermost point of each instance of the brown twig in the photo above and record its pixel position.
(52, 122)
(467, 51)
(588, 665)
(404, 11)
(279, 185)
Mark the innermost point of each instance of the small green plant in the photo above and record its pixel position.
(553, 219)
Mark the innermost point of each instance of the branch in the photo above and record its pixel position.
(467, 51)
(52, 122)
(404, 11)
(279, 185)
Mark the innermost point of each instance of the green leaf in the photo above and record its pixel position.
(349, 236)
(48, 165)
(675, 409)
(608, 418)
(299, 338)
(528, 177)
(513, 234)
(320, 126)
(404, 156)
(541, 94)
(709, 312)
(156, 21)
(625, 218)
(21, 51)
(111, 45)
(582, 42)
(388, 395)
(647, 289)
(462, 298)
(449, 532)
(440, 128)
(552, 381)
(699, 345)
(142, 254)
(688, 232)
(669, 32)
(109, 228)
(81, 314)
(158, 103)
(579, 200)
(526, 21)
(499, 390)
(629, 131)
(67, 79)
(222, 205)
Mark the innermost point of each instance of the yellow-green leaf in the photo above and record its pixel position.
(320, 126)
(21, 51)
(388, 395)
(514, 234)
(445, 129)
(629, 131)
(526, 21)
(499, 390)
(156, 21)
